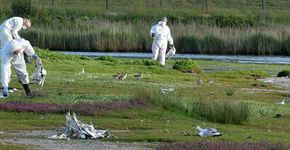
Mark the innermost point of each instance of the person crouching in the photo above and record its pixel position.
(13, 53)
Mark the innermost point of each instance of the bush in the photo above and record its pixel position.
(234, 21)
(187, 66)
(283, 73)
(21, 8)
(235, 112)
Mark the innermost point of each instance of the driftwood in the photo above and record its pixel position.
(78, 130)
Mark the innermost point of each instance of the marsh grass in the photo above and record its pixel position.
(225, 111)
(189, 38)
(168, 101)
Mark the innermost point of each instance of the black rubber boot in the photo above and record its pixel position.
(27, 90)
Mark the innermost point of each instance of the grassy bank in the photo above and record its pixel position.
(169, 114)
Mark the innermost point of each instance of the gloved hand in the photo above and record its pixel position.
(153, 35)
(171, 46)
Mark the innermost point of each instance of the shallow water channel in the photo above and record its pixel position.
(231, 58)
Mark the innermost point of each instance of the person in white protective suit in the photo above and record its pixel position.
(12, 53)
(161, 37)
(10, 27)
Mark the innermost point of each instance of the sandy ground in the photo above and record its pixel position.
(280, 82)
(39, 139)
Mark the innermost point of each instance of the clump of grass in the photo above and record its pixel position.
(187, 66)
(56, 56)
(108, 58)
(205, 145)
(168, 101)
(236, 112)
(283, 73)
(230, 91)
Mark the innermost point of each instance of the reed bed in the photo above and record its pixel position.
(192, 38)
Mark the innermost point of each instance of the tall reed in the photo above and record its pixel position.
(121, 36)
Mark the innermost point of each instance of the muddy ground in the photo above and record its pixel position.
(38, 139)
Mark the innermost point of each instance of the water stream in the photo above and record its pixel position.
(234, 58)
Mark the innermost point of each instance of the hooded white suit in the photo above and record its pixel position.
(161, 36)
(8, 57)
(9, 29)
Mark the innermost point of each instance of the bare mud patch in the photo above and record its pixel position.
(38, 138)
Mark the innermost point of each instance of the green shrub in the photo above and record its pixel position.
(186, 66)
(108, 58)
(235, 21)
(283, 73)
(236, 112)
(21, 8)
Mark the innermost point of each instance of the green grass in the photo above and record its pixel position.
(11, 146)
(170, 114)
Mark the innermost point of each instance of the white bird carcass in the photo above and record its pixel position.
(76, 129)
(207, 131)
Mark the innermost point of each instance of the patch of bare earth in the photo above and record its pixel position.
(283, 83)
(39, 139)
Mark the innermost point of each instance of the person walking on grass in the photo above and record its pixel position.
(161, 37)
(10, 27)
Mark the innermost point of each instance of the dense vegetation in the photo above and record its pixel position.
(231, 27)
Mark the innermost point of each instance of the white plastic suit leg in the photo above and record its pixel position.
(162, 53)
(22, 74)
(5, 73)
(155, 50)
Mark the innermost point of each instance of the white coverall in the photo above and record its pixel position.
(161, 37)
(9, 29)
(16, 59)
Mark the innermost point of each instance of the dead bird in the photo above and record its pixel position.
(117, 75)
(138, 75)
(210, 81)
(199, 81)
(123, 76)
(207, 131)
(186, 133)
(282, 102)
